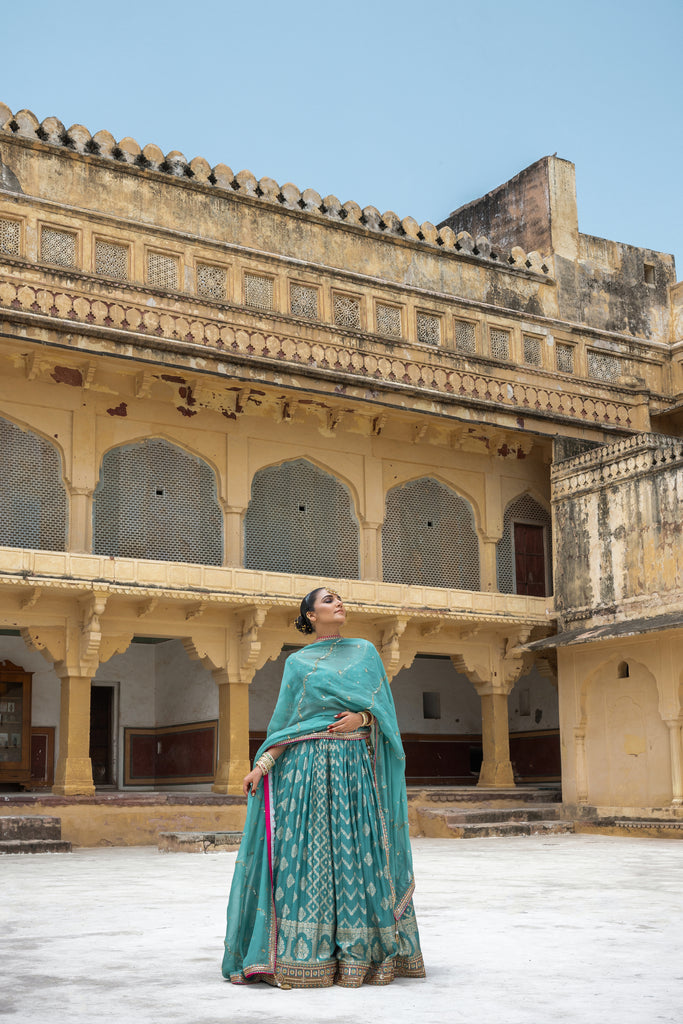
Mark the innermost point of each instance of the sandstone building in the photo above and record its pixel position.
(218, 391)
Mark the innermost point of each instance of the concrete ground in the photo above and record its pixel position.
(514, 931)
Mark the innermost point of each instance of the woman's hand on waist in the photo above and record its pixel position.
(346, 721)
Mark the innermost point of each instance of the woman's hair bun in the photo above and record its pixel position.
(303, 625)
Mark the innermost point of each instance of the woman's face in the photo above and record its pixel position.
(328, 613)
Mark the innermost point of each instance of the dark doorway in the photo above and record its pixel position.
(101, 732)
(530, 559)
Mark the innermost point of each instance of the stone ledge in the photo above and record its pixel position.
(644, 829)
(198, 842)
(12, 846)
(9, 800)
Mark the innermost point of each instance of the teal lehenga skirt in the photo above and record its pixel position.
(332, 889)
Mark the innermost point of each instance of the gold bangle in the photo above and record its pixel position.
(266, 762)
(366, 718)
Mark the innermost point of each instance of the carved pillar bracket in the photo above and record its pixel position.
(393, 656)
(91, 633)
(250, 643)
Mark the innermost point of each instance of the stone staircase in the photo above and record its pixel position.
(32, 834)
(472, 813)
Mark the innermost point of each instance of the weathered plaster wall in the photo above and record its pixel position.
(601, 283)
(541, 700)
(460, 705)
(184, 690)
(617, 530)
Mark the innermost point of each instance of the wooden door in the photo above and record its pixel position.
(101, 749)
(15, 723)
(530, 559)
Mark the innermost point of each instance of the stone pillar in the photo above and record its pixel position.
(496, 768)
(676, 742)
(74, 769)
(488, 569)
(234, 536)
(371, 551)
(233, 734)
(580, 764)
(80, 520)
(493, 667)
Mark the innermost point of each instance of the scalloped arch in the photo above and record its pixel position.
(319, 464)
(31, 428)
(440, 478)
(189, 449)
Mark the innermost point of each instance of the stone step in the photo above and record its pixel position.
(198, 842)
(34, 846)
(477, 796)
(458, 822)
(485, 815)
(25, 826)
(512, 828)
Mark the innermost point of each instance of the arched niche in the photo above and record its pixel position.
(32, 491)
(154, 500)
(627, 750)
(429, 537)
(301, 519)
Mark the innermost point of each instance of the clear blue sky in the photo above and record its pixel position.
(413, 106)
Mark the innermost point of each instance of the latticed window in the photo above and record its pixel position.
(388, 319)
(162, 271)
(212, 281)
(346, 311)
(32, 494)
(58, 247)
(301, 519)
(564, 357)
(154, 500)
(429, 537)
(532, 350)
(465, 336)
(604, 366)
(303, 301)
(521, 553)
(111, 259)
(500, 343)
(258, 291)
(10, 237)
(428, 329)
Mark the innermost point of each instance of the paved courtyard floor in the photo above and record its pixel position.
(535, 930)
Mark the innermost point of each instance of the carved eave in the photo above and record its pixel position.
(390, 606)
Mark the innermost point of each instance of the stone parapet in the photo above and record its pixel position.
(626, 459)
(198, 173)
(204, 587)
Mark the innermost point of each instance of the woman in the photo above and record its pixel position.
(323, 882)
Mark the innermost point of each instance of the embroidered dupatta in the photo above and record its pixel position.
(318, 682)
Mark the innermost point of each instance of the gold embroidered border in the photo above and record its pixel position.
(346, 974)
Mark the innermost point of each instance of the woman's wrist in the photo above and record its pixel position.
(266, 763)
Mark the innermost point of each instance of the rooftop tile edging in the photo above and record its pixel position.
(127, 151)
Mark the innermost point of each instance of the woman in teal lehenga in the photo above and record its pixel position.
(323, 881)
